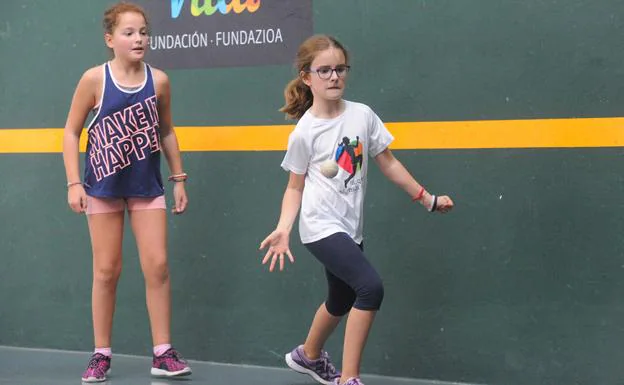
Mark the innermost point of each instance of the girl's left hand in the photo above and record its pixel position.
(180, 198)
(445, 204)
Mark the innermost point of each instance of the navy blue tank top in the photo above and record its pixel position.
(123, 143)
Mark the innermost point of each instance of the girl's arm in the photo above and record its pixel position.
(291, 202)
(168, 138)
(83, 101)
(398, 174)
(169, 141)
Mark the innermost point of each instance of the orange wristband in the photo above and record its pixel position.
(419, 195)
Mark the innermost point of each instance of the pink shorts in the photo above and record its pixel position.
(113, 205)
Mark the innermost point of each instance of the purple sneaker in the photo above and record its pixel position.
(350, 381)
(98, 368)
(322, 370)
(170, 364)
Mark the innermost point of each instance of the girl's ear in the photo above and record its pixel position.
(108, 39)
(305, 78)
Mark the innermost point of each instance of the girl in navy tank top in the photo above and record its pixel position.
(131, 126)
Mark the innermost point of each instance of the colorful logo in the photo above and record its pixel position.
(349, 156)
(210, 7)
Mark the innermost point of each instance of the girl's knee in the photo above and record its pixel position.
(107, 275)
(370, 296)
(377, 294)
(156, 271)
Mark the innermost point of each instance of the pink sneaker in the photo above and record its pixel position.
(170, 364)
(98, 368)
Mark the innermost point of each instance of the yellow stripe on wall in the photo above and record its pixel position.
(539, 133)
(553, 133)
(33, 140)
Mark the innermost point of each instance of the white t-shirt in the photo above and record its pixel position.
(335, 205)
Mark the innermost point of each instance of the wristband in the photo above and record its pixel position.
(419, 195)
(435, 203)
(182, 177)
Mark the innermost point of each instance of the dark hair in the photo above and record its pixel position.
(297, 94)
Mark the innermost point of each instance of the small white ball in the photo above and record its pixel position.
(329, 168)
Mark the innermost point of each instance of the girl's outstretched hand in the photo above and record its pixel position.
(277, 242)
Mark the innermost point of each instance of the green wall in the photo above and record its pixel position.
(520, 285)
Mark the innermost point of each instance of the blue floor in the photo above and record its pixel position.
(19, 366)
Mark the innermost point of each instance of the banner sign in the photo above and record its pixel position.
(226, 33)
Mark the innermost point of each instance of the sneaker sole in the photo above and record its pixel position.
(300, 369)
(91, 380)
(163, 373)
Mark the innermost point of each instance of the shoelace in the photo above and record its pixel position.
(94, 362)
(172, 353)
(326, 365)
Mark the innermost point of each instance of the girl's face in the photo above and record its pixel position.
(130, 37)
(327, 75)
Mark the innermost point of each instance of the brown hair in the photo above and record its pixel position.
(111, 16)
(297, 94)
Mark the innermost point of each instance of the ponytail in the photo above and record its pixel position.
(298, 99)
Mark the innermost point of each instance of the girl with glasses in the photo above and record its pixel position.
(346, 133)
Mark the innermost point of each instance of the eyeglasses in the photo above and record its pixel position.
(326, 72)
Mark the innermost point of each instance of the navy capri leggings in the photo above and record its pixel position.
(352, 280)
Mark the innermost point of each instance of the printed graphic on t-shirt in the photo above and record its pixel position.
(349, 158)
(123, 137)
